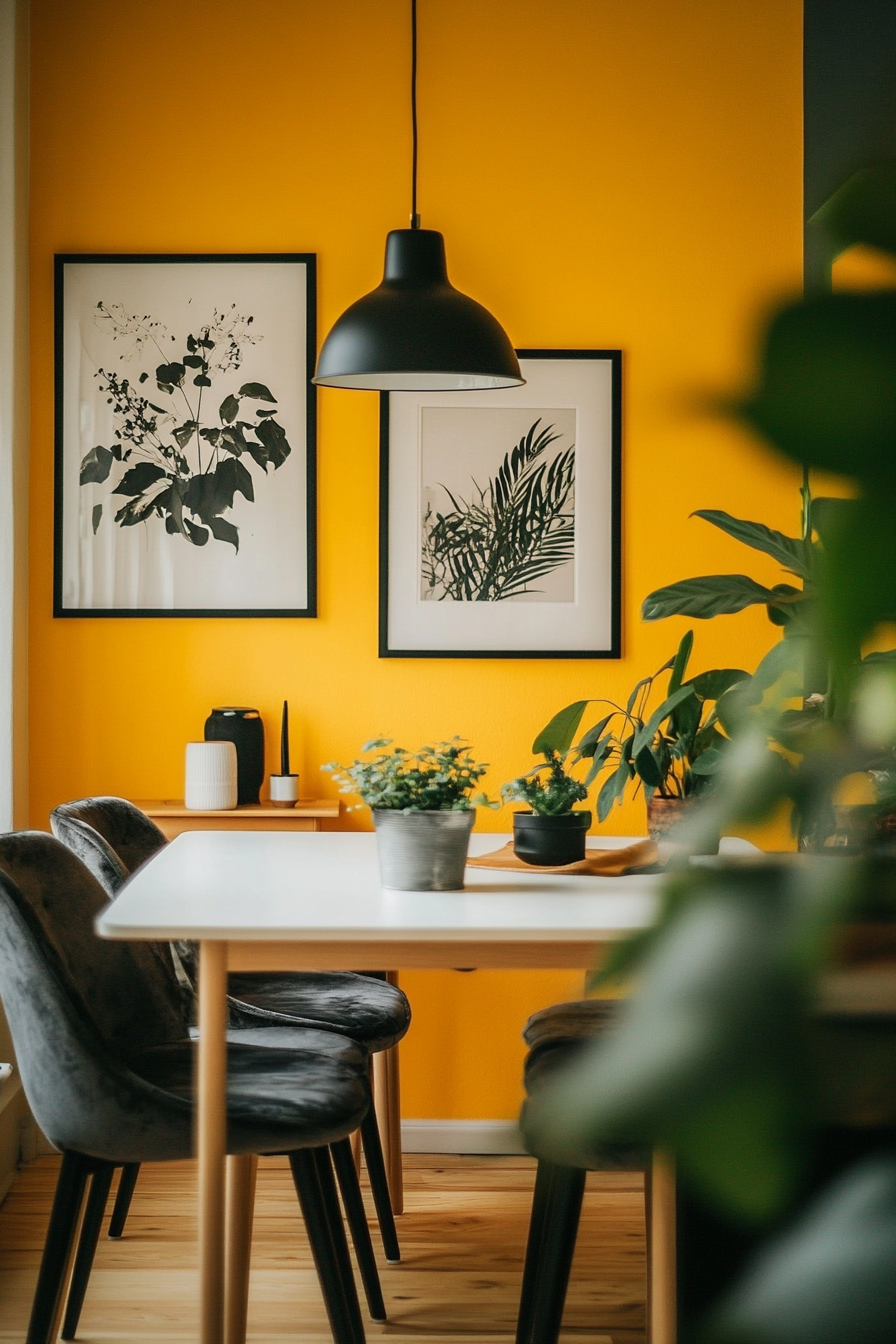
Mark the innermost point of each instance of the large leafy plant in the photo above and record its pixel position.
(673, 750)
(725, 594)
(168, 457)
(510, 533)
(722, 1056)
(439, 778)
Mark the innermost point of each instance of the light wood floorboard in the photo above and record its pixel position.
(462, 1236)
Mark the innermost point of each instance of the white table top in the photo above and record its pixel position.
(265, 886)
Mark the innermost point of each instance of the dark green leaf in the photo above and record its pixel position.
(96, 516)
(647, 768)
(613, 786)
(859, 563)
(211, 436)
(143, 377)
(258, 391)
(170, 376)
(201, 381)
(558, 734)
(707, 763)
(194, 361)
(601, 753)
(96, 465)
(705, 597)
(829, 1279)
(710, 685)
(792, 552)
(679, 667)
(827, 393)
(586, 746)
(645, 735)
(224, 531)
(229, 409)
(139, 478)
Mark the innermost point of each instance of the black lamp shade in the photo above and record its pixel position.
(416, 332)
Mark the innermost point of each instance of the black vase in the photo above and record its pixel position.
(550, 842)
(244, 728)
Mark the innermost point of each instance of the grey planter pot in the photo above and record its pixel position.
(422, 851)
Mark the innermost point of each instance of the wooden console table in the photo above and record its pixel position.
(173, 818)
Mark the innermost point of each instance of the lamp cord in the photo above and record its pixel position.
(415, 218)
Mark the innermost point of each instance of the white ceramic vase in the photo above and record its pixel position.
(211, 780)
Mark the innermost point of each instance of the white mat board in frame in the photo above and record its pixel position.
(185, 435)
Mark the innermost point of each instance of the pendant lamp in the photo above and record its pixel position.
(416, 332)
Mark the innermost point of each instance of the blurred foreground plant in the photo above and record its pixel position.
(724, 1056)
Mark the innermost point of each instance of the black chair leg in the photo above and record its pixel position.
(55, 1260)
(340, 1244)
(350, 1189)
(307, 1182)
(379, 1186)
(558, 1246)
(123, 1197)
(541, 1203)
(100, 1185)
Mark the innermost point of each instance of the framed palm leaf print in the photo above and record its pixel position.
(500, 515)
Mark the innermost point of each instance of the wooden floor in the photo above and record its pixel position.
(462, 1236)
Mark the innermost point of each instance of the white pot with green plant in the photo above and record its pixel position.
(552, 833)
(422, 807)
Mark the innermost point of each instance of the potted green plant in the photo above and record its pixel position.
(552, 833)
(422, 810)
(672, 752)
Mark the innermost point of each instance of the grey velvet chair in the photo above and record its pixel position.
(554, 1036)
(113, 838)
(107, 1068)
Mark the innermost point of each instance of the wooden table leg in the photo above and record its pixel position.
(661, 1268)
(387, 1103)
(211, 1115)
(241, 1174)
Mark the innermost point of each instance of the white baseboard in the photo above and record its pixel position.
(12, 1108)
(461, 1136)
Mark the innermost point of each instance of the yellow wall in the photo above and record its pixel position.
(614, 173)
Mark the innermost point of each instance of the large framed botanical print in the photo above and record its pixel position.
(185, 435)
(500, 515)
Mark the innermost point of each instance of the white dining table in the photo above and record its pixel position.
(264, 901)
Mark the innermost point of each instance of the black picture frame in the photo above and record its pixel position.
(306, 329)
(613, 646)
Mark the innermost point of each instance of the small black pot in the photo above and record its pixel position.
(550, 842)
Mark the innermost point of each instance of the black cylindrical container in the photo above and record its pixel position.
(244, 728)
(550, 842)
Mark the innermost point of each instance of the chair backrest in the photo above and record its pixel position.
(129, 990)
(80, 1095)
(111, 835)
